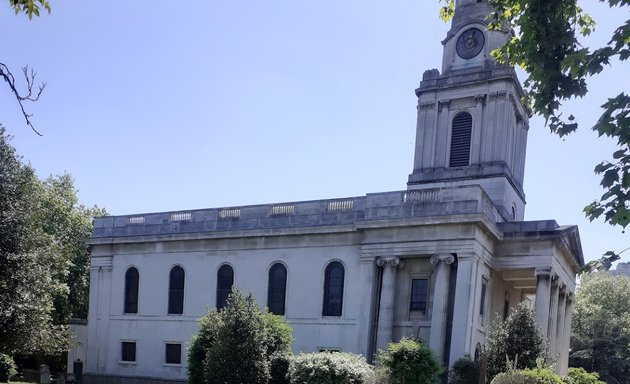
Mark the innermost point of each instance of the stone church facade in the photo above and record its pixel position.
(436, 261)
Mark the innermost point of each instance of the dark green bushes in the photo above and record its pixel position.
(236, 345)
(7, 368)
(581, 376)
(464, 371)
(410, 362)
(517, 340)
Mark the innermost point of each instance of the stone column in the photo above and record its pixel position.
(568, 315)
(543, 298)
(553, 316)
(440, 303)
(561, 351)
(388, 294)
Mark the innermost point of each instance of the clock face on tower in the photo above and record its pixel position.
(470, 43)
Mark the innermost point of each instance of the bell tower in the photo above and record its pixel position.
(472, 126)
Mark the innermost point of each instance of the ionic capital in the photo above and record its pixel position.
(447, 259)
(543, 272)
(393, 261)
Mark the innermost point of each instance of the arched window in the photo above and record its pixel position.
(277, 290)
(176, 291)
(460, 140)
(131, 290)
(333, 289)
(225, 280)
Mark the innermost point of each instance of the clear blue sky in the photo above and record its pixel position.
(156, 106)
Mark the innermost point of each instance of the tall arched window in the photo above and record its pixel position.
(131, 290)
(277, 290)
(333, 289)
(225, 280)
(176, 291)
(460, 140)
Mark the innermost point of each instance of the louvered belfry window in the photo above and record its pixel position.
(460, 140)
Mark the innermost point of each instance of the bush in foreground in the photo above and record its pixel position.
(517, 339)
(330, 368)
(410, 362)
(236, 344)
(7, 368)
(581, 376)
(529, 376)
(464, 371)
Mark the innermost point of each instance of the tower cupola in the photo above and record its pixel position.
(472, 126)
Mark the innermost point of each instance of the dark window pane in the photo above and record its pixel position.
(225, 280)
(176, 291)
(419, 295)
(276, 293)
(173, 354)
(333, 289)
(131, 290)
(460, 140)
(128, 351)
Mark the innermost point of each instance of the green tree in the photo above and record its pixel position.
(43, 256)
(26, 285)
(547, 44)
(601, 327)
(237, 344)
(517, 339)
(410, 362)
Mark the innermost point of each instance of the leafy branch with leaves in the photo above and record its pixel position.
(547, 44)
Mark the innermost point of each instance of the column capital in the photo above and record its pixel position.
(543, 272)
(447, 259)
(393, 261)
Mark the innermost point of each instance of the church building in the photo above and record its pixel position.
(436, 261)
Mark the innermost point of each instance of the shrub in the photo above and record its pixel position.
(330, 368)
(279, 368)
(512, 377)
(199, 344)
(278, 335)
(517, 339)
(581, 376)
(543, 376)
(7, 368)
(410, 362)
(236, 344)
(464, 371)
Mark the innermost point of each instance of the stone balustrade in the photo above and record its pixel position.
(341, 211)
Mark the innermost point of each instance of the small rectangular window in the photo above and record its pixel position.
(173, 353)
(128, 351)
(419, 295)
(329, 350)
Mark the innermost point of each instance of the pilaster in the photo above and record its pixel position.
(98, 315)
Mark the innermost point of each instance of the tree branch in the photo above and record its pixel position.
(30, 95)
